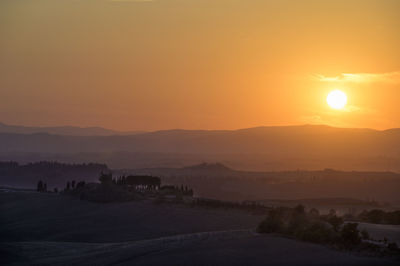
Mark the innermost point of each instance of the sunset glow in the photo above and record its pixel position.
(169, 127)
(227, 64)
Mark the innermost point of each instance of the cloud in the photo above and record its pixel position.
(389, 77)
(312, 119)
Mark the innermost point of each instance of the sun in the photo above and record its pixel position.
(337, 99)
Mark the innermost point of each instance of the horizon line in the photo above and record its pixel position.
(185, 129)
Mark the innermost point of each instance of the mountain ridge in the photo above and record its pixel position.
(64, 130)
(305, 147)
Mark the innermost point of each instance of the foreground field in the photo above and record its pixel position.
(50, 229)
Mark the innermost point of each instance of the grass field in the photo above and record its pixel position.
(50, 229)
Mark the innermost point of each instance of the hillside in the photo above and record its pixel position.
(274, 148)
(215, 180)
(48, 229)
(220, 182)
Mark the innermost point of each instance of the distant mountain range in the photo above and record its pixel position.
(64, 130)
(305, 140)
(261, 148)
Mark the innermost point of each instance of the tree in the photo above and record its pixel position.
(73, 184)
(105, 179)
(336, 222)
(45, 187)
(272, 224)
(55, 190)
(314, 213)
(68, 186)
(375, 216)
(80, 184)
(298, 219)
(350, 234)
(332, 212)
(39, 186)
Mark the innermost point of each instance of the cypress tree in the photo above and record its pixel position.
(40, 186)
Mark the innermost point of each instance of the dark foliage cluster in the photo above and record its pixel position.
(313, 227)
(122, 188)
(377, 216)
(139, 180)
(176, 190)
(41, 186)
(106, 191)
(250, 206)
(143, 182)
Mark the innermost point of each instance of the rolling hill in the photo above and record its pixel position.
(262, 148)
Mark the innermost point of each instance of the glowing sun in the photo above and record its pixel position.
(337, 99)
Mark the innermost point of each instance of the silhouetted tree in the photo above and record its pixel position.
(68, 186)
(146, 181)
(298, 219)
(272, 224)
(39, 186)
(105, 179)
(80, 184)
(55, 190)
(350, 234)
(73, 184)
(335, 221)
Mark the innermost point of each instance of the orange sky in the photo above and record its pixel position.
(211, 64)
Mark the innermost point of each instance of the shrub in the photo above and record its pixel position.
(327, 229)
(335, 221)
(375, 216)
(272, 224)
(393, 246)
(350, 234)
(298, 220)
(313, 213)
(380, 217)
(318, 232)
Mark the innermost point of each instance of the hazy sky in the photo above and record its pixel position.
(198, 64)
